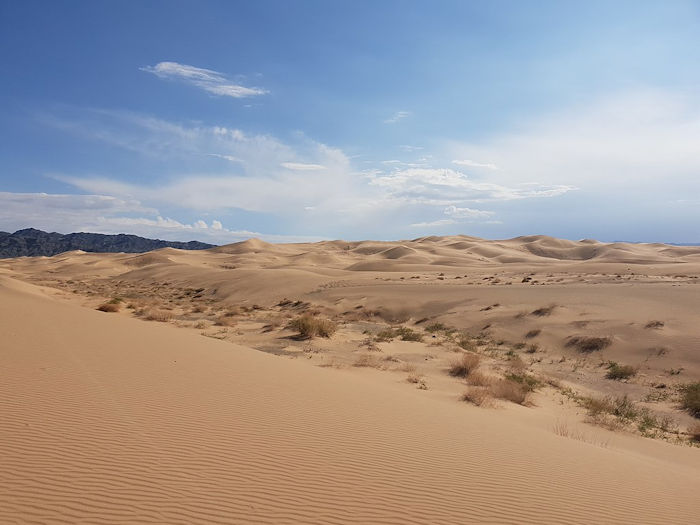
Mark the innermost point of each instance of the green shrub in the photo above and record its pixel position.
(690, 398)
(528, 382)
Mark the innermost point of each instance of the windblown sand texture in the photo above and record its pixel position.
(106, 418)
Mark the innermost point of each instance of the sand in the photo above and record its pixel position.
(108, 418)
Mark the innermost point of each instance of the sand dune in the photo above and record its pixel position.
(107, 419)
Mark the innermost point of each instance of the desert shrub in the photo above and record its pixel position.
(647, 421)
(366, 361)
(588, 344)
(466, 342)
(528, 382)
(625, 409)
(690, 398)
(533, 348)
(161, 316)
(418, 380)
(465, 365)
(385, 335)
(694, 432)
(476, 395)
(109, 307)
(406, 334)
(509, 390)
(402, 332)
(476, 378)
(309, 326)
(597, 406)
(618, 372)
(438, 327)
(654, 324)
(544, 311)
(414, 377)
(533, 333)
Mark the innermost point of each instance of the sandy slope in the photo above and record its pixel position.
(106, 419)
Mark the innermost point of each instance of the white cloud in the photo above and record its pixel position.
(300, 166)
(474, 164)
(410, 149)
(303, 184)
(434, 224)
(396, 117)
(644, 141)
(229, 158)
(210, 81)
(467, 213)
(451, 187)
(65, 213)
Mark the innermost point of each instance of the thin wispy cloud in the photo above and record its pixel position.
(207, 79)
(398, 116)
(434, 224)
(450, 187)
(229, 158)
(300, 166)
(467, 213)
(474, 164)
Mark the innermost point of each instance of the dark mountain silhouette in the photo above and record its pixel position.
(32, 242)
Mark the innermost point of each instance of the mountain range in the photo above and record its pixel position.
(33, 242)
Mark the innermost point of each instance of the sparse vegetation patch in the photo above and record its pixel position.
(619, 372)
(588, 344)
(690, 398)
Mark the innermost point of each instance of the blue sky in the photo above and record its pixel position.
(305, 120)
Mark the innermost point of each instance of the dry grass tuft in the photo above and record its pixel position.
(588, 344)
(367, 361)
(309, 326)
(109, 307)
(162, 316)
(619, 372)
(655, 325)
(476, 378)
(464, 365)
(476, 395)
(533, 333)
(509, 391)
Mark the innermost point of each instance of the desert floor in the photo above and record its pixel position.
(192, 400)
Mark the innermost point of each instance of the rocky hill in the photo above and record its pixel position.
(32, 242)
